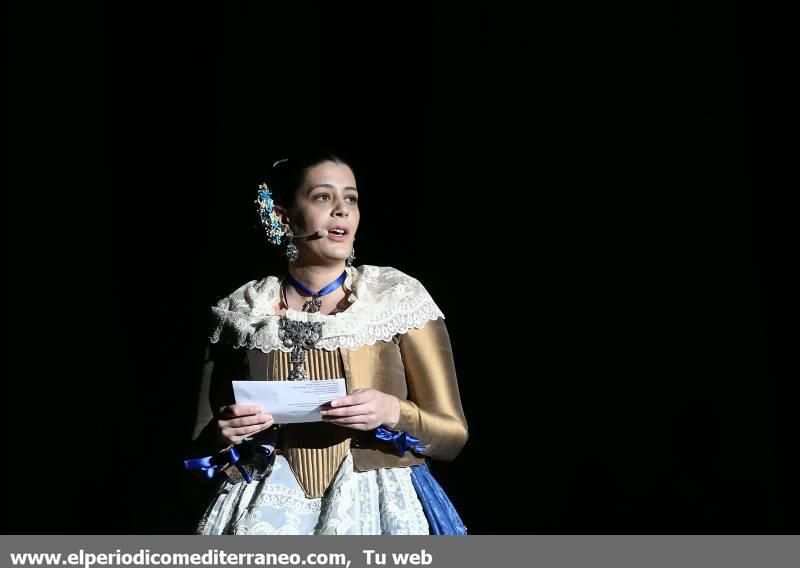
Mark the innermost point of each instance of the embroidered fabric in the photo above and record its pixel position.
(385, 302)
(381, 501)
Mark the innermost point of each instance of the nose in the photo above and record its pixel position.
(341, 209)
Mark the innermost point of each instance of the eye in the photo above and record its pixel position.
(322, 197)
(352, 198)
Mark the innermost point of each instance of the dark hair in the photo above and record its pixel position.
(287, 175)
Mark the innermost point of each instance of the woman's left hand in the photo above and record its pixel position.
(364, 409)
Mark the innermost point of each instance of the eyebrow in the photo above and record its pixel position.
(329, 186)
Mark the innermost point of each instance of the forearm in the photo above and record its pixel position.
(444, 436)
(433, 411)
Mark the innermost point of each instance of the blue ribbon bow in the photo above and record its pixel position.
(402, 441)
(209, 466)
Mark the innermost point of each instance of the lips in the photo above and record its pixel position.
(338, 231)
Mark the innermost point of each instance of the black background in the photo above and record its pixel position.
(599, 198)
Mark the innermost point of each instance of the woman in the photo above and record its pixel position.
(361, 470)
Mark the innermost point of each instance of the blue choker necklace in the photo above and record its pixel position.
(314, 303)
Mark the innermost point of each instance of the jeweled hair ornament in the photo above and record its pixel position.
(266, 212)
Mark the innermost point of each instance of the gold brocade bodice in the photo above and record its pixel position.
(314, 450)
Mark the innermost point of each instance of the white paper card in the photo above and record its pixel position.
(290, 402)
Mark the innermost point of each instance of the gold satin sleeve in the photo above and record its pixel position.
(433, 411)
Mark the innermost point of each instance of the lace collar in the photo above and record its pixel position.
(384, 302)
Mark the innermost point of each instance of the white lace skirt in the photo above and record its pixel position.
(381, 501)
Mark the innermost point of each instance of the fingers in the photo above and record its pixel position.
(360, 425)
(357, 397)
(237, 428)
(347, 411)
(247, 430)
(236, 410)
(360, 410)
(360, 417)
(248, 420)
(351, 420)
(236, 435)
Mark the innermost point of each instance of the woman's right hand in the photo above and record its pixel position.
(238, 421)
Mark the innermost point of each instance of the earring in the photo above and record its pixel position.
(352, 257)
(290, 251)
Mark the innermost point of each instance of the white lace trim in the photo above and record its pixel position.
(385, 302)
(378, 501)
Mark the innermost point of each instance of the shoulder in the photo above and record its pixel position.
(392, 302)
(381, 276)
(388, 284)
(255, 297)
(237, 315)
